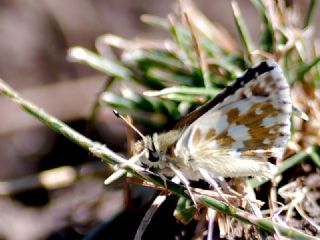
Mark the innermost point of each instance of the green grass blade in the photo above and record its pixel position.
(267, 36)
(310, 13)
(243, 30)
(109, 67)
(211, 92)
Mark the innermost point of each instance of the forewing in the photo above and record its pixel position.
(250, 74)
(252, 122)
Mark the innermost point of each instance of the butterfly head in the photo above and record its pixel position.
(152, 156)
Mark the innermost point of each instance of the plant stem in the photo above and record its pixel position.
(243, 30)
(310, 13)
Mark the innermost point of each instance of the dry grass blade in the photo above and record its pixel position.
(200, 54)
(149, 214)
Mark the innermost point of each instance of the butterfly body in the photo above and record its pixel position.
(237, 133)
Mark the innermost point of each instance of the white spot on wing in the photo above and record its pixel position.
(239, 132)
(266, 141)
(269, 121)
(281, 141)
(242, 106)
(220, 124)
(258, 111)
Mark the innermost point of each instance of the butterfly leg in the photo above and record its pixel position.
(245, 197)
(164, 179)
(185, 181)
(206, 176)
(226, 187)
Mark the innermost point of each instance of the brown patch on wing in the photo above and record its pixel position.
(196, 137)
(253, 120)
(242, 95)
(258, 89)
(268, 109)
(211, 134)
(262, 133)
(232, 115)
(271, 82)
(253, 143)
(224, 140)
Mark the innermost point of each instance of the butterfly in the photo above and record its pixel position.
(242, 131)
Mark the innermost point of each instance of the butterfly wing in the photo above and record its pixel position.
(245, 128)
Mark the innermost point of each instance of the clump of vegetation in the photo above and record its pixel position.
(169, 78)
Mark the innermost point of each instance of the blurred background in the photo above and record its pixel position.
(35, 38)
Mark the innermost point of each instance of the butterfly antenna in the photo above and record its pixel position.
(118, 115)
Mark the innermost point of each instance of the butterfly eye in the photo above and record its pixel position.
(153, 156)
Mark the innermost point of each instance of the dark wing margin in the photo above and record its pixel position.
(249, 75)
